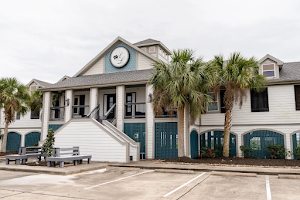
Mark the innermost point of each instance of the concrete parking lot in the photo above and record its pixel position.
(116, 183)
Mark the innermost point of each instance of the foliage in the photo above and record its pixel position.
(49, 143)
(36, 102)
(207, 152)
(235, 75)
(276, 151)
(179, 84)
(296, 152)
(247, 151)
(14, 97)
(219, 150)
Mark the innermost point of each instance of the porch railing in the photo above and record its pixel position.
(80, 111)
(94, 113)
(167, 114)
(135, 110)
(57, 113)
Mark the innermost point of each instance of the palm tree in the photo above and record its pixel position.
(235, 75)
(181, 83)
(14, 97)
(36, 102)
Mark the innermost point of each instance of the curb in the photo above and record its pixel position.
(287, 176)
(216, 173)
(175, 171)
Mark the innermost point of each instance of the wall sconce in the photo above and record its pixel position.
(149, 98)
(67, 102)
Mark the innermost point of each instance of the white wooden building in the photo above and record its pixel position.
(105, 109)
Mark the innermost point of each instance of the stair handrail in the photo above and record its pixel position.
(110, 110)
(96, 109)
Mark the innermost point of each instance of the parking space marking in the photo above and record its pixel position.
(184, 184)
(269, 197)
(118, 179)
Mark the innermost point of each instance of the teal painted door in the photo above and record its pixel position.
(32, 139)
(215, 139)
(166, 140)
(296, 142)
(13, 141)
(54, 127)
(258, 141)
(194, 144)
(136, 131)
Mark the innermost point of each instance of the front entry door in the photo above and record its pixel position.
(111, 100)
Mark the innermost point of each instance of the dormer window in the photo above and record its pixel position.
(152, 49)
(269, 70)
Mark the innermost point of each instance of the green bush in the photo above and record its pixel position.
(296, 152)
(276, 151)
(207, 152)
(49, 143)
(219, 150)
(247, 151)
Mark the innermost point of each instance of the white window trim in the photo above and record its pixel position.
(218, 106)
(269, 70)
(150, 49)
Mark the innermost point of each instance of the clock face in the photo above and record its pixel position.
(119, 57)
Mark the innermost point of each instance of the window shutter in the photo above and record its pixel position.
(297, 96)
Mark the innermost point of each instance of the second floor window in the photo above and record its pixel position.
(259, 101)
(297, 96)
(269, 70)
(35, 114)
(18, 115)
(213, 104)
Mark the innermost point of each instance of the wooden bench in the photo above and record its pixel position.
(62, 155)
(24, 153)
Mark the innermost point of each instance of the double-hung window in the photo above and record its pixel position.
(268, 70)
(259, 101)
(212, 104)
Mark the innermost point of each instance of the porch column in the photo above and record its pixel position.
(68, 108)
(239, 142)
(22, 140)
(47, 97)
(93, 98)
(288, 145)
(120, 101)
(187, 148)
(150, 139)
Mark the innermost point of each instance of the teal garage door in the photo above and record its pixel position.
(136, 131)
(13, 141)
(296, 141)
(166, 140)
(194, 144)
(215, 139)
(32, 139)
(258, 141)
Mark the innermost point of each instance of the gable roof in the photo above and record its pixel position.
(65, 77)
(104, 51)
(39, 83)
(105, 80)
(268, 56)
(149, 42)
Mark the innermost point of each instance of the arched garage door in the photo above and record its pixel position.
(215, 139)
(296, 141)
(13, 141)
(258, 141)
(194, 144)
(32, 139)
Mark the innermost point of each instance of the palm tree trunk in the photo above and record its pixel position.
(227, 128)
(181, 132)
(4, 139)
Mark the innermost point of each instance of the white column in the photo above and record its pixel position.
(22, 140)
(68, 108)
(120, 101)
(239, 138)
(288, 145)
(46, 114)
(187, 148)
(149, 125)
(93, 98)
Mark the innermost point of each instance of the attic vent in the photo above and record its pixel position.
(33, 88)
(152, 49)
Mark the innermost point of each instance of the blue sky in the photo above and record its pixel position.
(49, 39)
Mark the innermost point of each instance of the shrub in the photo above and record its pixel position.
(247, 151)
(296, 152)
(276, 151)
(207, 152)
(49, 143)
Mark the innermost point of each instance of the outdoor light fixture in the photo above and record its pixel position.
(150, 98)
(67, 102)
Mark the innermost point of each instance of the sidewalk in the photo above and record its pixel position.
(258, 170)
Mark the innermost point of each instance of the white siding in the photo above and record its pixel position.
(97, 68)
(143, 62)
(92, 140)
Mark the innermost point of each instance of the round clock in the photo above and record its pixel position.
(119, 57)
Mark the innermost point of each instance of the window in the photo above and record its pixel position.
(152, 49)
(269, 70)
(33, 88)
(18, 116)
(76, 103)
(212, 105)
(35, 114)
(259, 101)
(297, 96)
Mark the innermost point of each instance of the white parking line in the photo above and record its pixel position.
(183, 185)
(118, 179)
(268, 188)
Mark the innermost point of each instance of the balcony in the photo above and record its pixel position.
(166, 114)
(135, 110)
(80, 111)
(57, 113)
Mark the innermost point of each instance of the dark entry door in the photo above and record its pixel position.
(129, 107)
(81, 102)
(111, 100)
